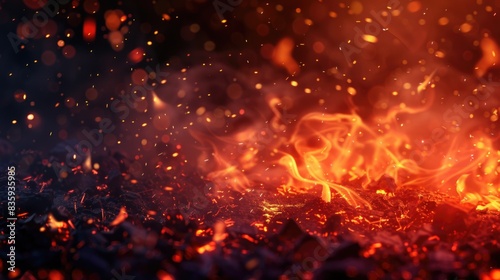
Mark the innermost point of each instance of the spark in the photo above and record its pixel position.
(423, 85)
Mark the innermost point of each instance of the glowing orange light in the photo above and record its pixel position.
(136, 55)
(122, 215)
(490, 58)
(282, 55)
(89, 29)
(207, 248)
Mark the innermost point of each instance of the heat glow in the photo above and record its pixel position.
(336, 151)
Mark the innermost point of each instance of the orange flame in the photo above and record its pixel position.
(333, 148)
(337, 151)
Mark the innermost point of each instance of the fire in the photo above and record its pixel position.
(340, 150)
(339, 147)
(337, 150)
(427, 125)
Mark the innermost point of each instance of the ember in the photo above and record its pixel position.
(248, 139)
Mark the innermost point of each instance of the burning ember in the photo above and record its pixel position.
(249, 139)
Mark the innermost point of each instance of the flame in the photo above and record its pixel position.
(338, 151)
(334, 150)
(336, 147)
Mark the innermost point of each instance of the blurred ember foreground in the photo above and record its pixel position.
(91, 226)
